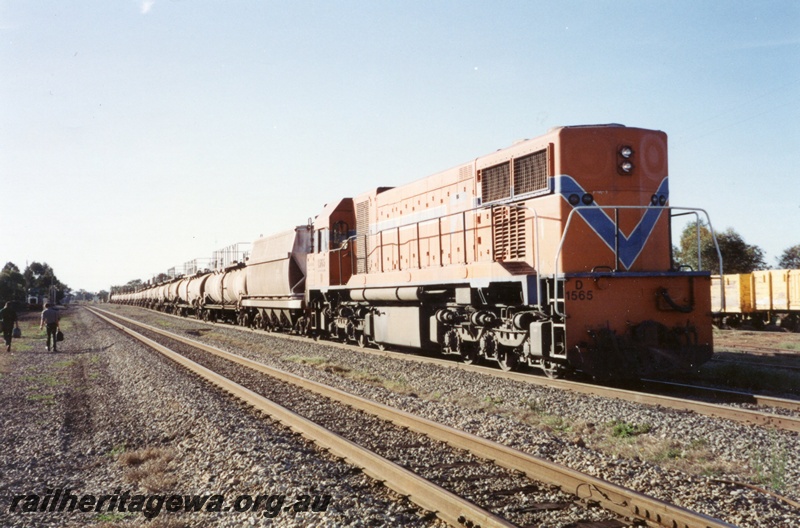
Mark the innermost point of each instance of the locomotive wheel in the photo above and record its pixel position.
(508, 360)
(469, 353)
(553, 370)
(488, 347)
(350, 333)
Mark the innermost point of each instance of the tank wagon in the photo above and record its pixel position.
(759, 298)
(553, 253)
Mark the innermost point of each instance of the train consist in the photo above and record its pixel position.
(757, 299)
(554, 253)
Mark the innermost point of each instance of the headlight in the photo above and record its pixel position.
(626, 167)
(662, 200)
(626, 152)
(574, 199)
(587, 199)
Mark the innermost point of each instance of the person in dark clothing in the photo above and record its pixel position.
(9, 317)
(50, 318)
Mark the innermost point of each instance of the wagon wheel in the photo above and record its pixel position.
(301, 327)
(508, 359)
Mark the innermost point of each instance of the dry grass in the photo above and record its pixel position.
(399, 385)
(5, 362)
(620, 439)
(149, 468)
(158, 522)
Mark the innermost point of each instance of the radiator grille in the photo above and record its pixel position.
(362, 234)
(509, 233)
(530, 173)
(496, 182)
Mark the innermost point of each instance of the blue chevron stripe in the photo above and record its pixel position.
(631, 245)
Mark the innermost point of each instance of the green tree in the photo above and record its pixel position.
(40, 278)
(737, 255)
(129, 286)
(790, 258)
(12, 283)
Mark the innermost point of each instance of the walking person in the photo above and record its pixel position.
(50, 318)
(9, 317)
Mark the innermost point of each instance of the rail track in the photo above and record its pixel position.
(708, 402)
(759, 350)
(721, 395)
(541, 476)
(757, 364)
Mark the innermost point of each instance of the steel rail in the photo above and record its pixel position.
(755, 364)
(449, 507)
(743, 397)
(758, 350)
(610, 496)
(744, 416)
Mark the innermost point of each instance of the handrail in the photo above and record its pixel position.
(694, 211)
(439, 235)
(578, 209)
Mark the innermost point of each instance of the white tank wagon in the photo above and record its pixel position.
(188, 294)
(161, 295)
(172, 292)
(219, 299)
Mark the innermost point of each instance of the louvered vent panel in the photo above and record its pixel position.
(496, 182)
(465, 173)
(362, 233)
(530, 173)
(509, 233)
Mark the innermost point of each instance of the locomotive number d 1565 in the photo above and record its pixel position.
(580, 290)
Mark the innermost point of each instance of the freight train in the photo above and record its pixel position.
(759, 299)
(554, 253)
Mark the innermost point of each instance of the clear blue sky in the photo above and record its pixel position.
(137, 135)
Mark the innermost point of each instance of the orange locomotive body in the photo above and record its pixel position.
(554, 252)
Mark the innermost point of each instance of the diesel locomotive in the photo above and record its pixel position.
(554, 253)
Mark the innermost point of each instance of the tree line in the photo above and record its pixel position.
(37, 279)
(737, 255)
